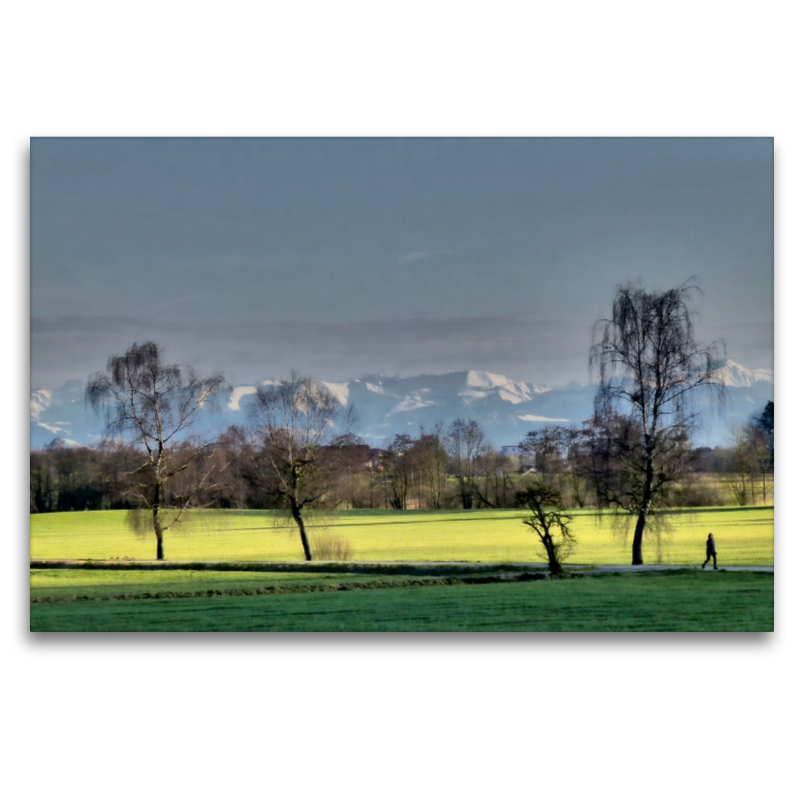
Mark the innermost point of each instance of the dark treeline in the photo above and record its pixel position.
(453, 466)
(589, 464)
(442, 468)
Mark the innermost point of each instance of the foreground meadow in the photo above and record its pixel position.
(744, 536)
(655, 601)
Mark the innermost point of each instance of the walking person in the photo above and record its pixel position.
(711, 551)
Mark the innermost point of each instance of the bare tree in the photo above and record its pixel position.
(432, 461)
(748, 454)
(497, 480)
(352, 484)
(398, 464)
(577, 459)
(741, 462)
(303, 429)
(466, 443)
(155, 404)
(545, 448)
(550, 522)
(649, 365)
(762, 428)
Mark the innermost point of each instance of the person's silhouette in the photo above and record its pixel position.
(711, 551)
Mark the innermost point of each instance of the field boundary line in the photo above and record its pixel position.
(463, 580)
(369, 567)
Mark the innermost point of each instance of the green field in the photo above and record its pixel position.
(649, 601)
(744, 536)
(394, 596)
(64, 584)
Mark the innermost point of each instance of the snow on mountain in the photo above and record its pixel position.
(486, 379)
(61, 413)
(483, 384)
(237, 394)
(40, 400)
(480, 384)
(411, 403)
(384, 406)
(735, 375)
(340, 391)
(44, 401)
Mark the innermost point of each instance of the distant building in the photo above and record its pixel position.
(525, 456)
(360, 456)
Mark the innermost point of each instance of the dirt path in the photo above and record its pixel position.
(394, 567)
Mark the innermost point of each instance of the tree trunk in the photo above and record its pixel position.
(552, 558)
(644, 510)
(157, 519)
(159, 536)
(638, 536)
(304, 538)
(466, 494)
(298, 518)
(157, 525)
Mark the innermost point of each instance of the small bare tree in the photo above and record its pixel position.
(303, 429)
(398, 464)
(550, 522)
(432, 459)
(155, 404)
(466, 443)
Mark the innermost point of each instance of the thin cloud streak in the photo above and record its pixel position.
(424, 255)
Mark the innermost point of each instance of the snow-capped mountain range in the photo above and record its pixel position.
(384, 406)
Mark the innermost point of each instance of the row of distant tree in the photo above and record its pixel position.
(300, 450)
(453, 466)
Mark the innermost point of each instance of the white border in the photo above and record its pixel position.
(394, 715)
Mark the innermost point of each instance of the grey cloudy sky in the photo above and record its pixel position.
(342, 257)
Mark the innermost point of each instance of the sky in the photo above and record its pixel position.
(343, 257)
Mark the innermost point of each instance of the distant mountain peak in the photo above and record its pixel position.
(238, 393)
(40, 400)
(480, 384)
(507, 409)
(733, 374)
(341, 391)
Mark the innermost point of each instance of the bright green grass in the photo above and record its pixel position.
(697, 601)
(71, 583)
(744, 537)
